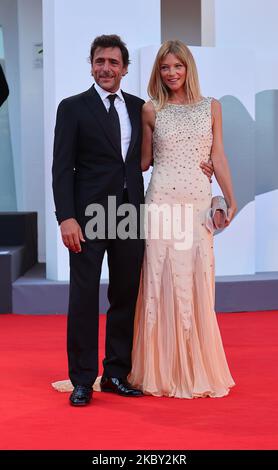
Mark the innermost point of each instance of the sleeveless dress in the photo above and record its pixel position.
(177, 348)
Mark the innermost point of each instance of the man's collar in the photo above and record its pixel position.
(104, 93)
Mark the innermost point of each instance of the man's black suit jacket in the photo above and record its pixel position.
(87, 167)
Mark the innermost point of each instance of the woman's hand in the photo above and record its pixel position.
(207, 168)
(231, 213)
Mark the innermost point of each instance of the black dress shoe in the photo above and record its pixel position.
(119, 386)
(81, 395)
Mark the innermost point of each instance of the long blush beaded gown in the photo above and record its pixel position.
(177, 349)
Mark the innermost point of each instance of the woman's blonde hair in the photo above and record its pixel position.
(157, 90)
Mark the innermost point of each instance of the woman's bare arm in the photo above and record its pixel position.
(148, 120)
(220, 162)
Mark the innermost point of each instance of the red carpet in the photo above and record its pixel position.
(34, 416)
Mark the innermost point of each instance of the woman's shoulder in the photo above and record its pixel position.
(149, 109)
(148, 114)
(216, 107)
(150, 106)
(214, 102)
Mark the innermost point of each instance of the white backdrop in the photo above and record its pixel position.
(225, 72)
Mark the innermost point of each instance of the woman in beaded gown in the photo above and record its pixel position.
(177, 349)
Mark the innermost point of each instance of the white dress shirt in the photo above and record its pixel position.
(123, 116)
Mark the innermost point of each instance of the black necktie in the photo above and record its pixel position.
(114, 122)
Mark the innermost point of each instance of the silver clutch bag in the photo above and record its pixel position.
(218, 203)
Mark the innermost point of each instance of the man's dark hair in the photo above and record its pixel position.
(110, 40)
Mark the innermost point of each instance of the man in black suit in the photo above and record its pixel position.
(93, 159)
(96, 155)
(4, 89)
